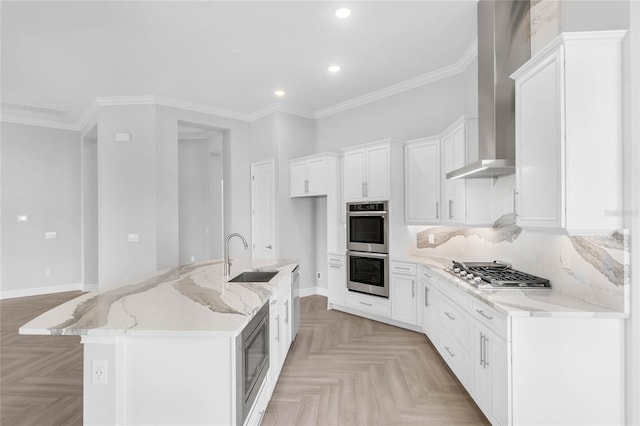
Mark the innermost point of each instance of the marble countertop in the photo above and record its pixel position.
(515, 302)
(192, 300)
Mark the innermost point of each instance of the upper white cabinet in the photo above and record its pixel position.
(454, 156)
(422, 180)
(367, 171)
(430, 198)
(308, 175)
(568, 134)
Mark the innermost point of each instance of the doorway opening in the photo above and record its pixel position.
(200, 192)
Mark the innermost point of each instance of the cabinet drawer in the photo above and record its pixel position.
(335, 259)
(370, 304)
(456, 357)
(454, 320)
(403, 268)
(487, 315)
(454, 293)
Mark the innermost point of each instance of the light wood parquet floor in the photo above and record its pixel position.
(347, 370)
(40, 376)
(341, 370)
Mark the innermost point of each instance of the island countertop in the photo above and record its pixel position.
(191, 300)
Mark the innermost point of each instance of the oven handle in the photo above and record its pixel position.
(373, 213)
(367, 254)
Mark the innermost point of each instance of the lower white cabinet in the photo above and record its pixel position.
(403, 292)
(280, 329)
(429, 306)
(373, 305)
(489, 365)
(336, 279)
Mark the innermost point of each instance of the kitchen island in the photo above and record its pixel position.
(163, 350)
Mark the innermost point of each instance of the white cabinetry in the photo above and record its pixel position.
(403, 292)
(489, 363)
(463, 201)
(431, 198)
(336, 279)
(568, 134)
(308, 175)
(422, 180)
(280, 329)
(454, 156)
(367, 171)
(430, 303)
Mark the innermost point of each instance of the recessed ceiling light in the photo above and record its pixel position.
(279, 93)
(343, 12)
(334, 68)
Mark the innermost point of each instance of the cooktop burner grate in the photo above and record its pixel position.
(496, 275)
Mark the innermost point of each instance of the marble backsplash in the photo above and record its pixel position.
(593, 268)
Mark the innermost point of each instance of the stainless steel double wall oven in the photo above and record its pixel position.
(368, 248)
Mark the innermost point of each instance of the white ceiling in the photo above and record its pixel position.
(60, 56)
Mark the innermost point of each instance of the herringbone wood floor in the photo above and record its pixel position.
(341, 369)
(347, 370)
(40, 376)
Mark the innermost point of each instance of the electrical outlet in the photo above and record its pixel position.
(133, 238)
(432, 239)
(99, 372)
(47, 272)
(318, 275)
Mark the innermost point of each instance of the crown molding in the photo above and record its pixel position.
(447, 71)
(278, 107)
(30, 121)
(459, 66)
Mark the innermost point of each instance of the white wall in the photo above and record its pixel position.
(41, 179)
(283, 137)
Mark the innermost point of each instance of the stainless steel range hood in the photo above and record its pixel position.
(503, 46)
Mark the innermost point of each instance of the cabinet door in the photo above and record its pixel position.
(489, 361)
(403, 298)
(336, 281)
(455, 191)
(538, 146)
(377, 171)
(316, 177)
(422, 182)
(354, 174)
(298, 178)
(286, 324)
(429, 307)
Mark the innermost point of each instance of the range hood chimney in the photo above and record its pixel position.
(503, 46)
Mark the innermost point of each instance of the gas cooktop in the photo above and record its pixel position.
(495, 275)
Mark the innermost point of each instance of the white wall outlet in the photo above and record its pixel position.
(432, 239)
(193, 258)
(318, 275)
(47, 272)
(23, 218)
(50, 235)
(99, 371)
(133, 238)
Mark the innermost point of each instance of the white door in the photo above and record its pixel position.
(263, 215)
(354, 175)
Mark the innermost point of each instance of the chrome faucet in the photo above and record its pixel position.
(227, 261)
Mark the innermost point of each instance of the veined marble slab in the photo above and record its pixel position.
(515, 302)
(191, 300)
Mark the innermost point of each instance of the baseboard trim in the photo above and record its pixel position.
(36, 291)
(312, 291)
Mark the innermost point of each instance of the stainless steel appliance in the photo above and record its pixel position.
(368, 272)
(367, 227)
(252, 361)
(496, 275)
(295, 292)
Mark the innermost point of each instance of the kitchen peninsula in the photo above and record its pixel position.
(164, 350)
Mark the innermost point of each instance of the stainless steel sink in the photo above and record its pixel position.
(254, 277)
